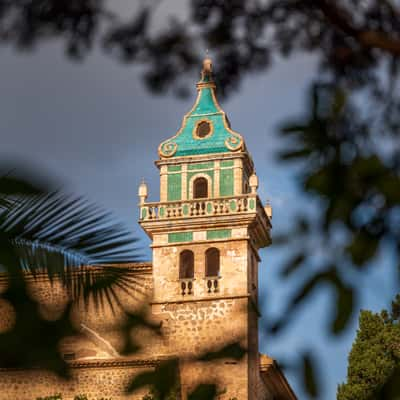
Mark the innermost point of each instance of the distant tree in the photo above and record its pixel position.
(374, 360)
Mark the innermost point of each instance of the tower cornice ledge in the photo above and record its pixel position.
(207, 157)
(219, 213)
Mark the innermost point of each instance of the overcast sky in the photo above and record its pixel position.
(94, 128)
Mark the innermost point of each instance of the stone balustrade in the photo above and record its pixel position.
(186, 285)
(212, 284)
(199, 207)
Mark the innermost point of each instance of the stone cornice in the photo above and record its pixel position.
(249, 165)
(274, 378)
(196, 222)
(200, 242)
(257, 221)
(203, 299)
(112, 363)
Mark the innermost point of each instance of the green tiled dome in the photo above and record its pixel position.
(217, 137)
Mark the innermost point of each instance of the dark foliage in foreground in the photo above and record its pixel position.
(347, 142)
(41, 231)
(74, 243)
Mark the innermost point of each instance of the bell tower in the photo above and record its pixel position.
(206, 232)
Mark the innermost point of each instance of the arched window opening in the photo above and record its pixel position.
(212, 262)
(200, 188)
(186, 265)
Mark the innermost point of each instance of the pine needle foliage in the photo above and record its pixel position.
(374, 360)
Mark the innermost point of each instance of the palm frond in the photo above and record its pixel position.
(70, 239)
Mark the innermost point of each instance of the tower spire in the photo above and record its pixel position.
(206, 72)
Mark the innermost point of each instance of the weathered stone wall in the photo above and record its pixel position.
(105, 381)
(229, 376)
(198, 326)
(195, 328)
(201, 322)
(233, 270)
(103, 371)
(191, 326)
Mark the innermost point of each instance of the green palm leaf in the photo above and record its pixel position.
(60, 235)
(68, 239)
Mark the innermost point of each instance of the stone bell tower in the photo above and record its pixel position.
(206, 232)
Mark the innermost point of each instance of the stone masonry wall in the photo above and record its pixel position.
(106, 382)
(99, 343)
(194, 328)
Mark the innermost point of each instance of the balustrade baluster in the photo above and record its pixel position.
(216, 285)
(199, 207)
(212, 284)
(190, 287)
(186, 286)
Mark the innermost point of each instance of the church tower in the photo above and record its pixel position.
(206, 233)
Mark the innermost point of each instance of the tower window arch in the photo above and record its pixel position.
(200, 188)
(212, 262)
(186, 265)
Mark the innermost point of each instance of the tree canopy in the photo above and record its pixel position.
(374, 360)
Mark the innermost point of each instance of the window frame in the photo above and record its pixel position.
(198, 123)
(182, 267)
(207, 261)
(209, 186)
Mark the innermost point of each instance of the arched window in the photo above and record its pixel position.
(212, 262)
(200, 188)
(186, 265)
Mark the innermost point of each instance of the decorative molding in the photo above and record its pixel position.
(219, 234)
(226, 163)
(174, 168)
(124, 363)
(209, 134)
(167, 149)
(199, 175)
(227, 182)
(205, 165)
(231, 239)
(177, 237)
(174, 186)
(203, 299)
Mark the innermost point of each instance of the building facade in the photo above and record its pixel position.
(202, 285)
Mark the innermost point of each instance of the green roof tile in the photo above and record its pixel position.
(221, 140)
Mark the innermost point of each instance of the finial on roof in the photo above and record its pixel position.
(143, 192)
(253, 182)
(206, 73)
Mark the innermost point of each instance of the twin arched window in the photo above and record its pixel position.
(186, 263)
